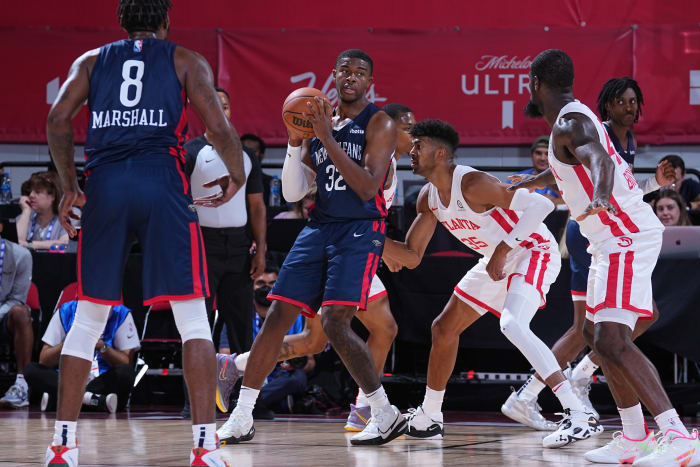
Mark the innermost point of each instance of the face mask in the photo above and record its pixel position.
(261, 295)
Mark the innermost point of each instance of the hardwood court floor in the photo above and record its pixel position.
(159, 439)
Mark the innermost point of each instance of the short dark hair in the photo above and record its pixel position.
(675, 160)
(223, 91)
(555, 68)
(613, 89)
(255, 138)
(142, 15)
(356, 53)
(542, 140)
(271, 268)
(394, 110)
(437, 130)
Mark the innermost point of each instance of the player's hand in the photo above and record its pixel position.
(73, 197)
(596, 206)
(319, 114)
(228, 189)
(257, 265)
(394, 266)
(528, 181)
(294, 139)
(665, 174)
(497, 262)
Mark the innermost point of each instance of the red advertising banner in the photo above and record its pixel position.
(667, 67)
(475, 79)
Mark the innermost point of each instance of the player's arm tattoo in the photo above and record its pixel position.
(287, 351)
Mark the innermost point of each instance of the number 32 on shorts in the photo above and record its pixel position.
(335, 180)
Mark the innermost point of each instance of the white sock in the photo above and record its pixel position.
(670, 420)
(247, 398)
(20, 381)
(87, 397)
(205, 436)
(241, 361)
(567, 397)
(432, 402)
(530, 389)
(633, 422)
(64, 434)
(584, 369)
(361, 400)
(378, 399)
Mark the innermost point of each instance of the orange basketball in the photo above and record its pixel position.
(294, 108)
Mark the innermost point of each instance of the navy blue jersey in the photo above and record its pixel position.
(137, 104)
(335, 200)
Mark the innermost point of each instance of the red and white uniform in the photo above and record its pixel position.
(536, 258)
(377, 289)
(624, 246)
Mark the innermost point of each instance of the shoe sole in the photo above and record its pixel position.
(419, 435)
(234, 440)
(399, 430)
(516, 418)
(353, 428)
(220, 401)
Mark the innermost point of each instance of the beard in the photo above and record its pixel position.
(532, 111)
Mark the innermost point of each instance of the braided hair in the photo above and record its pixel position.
(142, 15)
(613, 89)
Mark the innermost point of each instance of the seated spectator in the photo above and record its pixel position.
(538, 153)
(38, 226)
(688, 188)
(15, 316)
(257, 145)
(301, 208)
(670, 208)
(112, 374)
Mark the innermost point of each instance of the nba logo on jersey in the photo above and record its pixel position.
(138, 45)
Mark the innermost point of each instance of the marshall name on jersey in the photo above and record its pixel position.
(127, 118)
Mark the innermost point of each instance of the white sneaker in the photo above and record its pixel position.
(526, 412)
(575, 426)
(622, 450)
(674, 450)
(422, 425)
(61, 456)
(16, 397)
(201, 457)
(239, 427)
(582, 389)
(44, 401)
(386, 424)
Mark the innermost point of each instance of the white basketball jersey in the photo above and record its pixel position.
(390, 193)
(576, 188)
(482, 232)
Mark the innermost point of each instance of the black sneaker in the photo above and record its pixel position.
(107, 402)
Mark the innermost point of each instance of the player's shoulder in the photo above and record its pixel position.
(381, 121)
(573, 125)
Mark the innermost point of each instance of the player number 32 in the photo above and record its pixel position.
(335, 180)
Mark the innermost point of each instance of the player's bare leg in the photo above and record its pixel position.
(426, 420)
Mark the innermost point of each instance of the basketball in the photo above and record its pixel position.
(294, 108)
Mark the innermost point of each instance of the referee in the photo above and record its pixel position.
(227, 240)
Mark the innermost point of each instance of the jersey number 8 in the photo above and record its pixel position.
(129, 82)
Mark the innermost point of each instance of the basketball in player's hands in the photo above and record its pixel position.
(294, 109)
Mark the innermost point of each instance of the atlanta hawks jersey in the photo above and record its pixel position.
(136, 102)
(576, 187)
(482, 232)
(335, 200)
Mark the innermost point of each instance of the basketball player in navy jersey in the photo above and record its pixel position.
(137, 90)
(334, 258)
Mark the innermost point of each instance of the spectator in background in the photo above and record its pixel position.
(538, 153)
(112, 375)
(670, 208)
(227, 241)
(15, 316)
(38, 226)
(301, 208)
(688, 188)
(257, 145)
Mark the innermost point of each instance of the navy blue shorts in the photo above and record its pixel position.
(331, 264)
(144, 199)
(579, 259)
